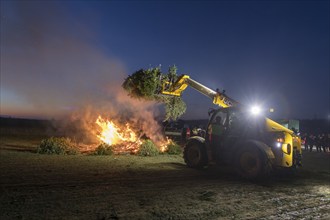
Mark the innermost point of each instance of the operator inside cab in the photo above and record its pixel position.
(217, 126)
(216, 131)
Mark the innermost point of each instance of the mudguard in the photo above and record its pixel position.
(196, 138)
(267, 151)
(261, 156)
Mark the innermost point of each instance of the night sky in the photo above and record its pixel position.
(59, 56)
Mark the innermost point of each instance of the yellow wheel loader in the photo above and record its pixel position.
(236, 136)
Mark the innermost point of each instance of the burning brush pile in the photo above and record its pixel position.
(126, 139)
(143, 84)
(132, 127)
(111, 137)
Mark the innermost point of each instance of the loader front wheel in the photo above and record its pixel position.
(250, 163)
(195, 155)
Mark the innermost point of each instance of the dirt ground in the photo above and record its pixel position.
(37, 186)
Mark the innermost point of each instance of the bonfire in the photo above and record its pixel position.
(123, 138)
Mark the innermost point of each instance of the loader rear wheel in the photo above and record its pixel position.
(251, 164)
(195, 155)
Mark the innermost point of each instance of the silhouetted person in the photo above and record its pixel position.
(318, 143)
(327, 142)
(304, 140)
(323, 142)
(185, 133)
(308, 142)
(312, 142)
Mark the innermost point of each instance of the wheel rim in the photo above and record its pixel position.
(193, 155)
(250, 163)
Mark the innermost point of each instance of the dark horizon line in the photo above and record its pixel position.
(199, 119)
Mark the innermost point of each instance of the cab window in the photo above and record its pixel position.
(219, 118)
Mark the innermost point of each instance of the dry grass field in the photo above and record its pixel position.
(35, 186)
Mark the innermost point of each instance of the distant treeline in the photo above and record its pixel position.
(44, 127)
(314, 126)
(25, 126)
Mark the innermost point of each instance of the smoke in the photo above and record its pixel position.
(50, 67)
(47, 64)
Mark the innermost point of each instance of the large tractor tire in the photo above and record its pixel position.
(195, 154)
(251, 163)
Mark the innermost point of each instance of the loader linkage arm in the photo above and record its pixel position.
(177, 87)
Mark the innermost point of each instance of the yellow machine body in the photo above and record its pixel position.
(291, 143)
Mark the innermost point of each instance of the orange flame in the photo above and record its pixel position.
(114, 135)
(124, 139)
(164, 144)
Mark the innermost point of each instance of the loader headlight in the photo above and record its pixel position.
(278, 142)
(255, 110)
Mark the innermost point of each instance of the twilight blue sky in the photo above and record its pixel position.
(59, 55)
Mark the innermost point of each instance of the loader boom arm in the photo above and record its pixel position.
(177, 87)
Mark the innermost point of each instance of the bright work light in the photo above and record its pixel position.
(255, 110)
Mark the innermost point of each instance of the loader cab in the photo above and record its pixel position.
(237, 123)
(239, 126)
